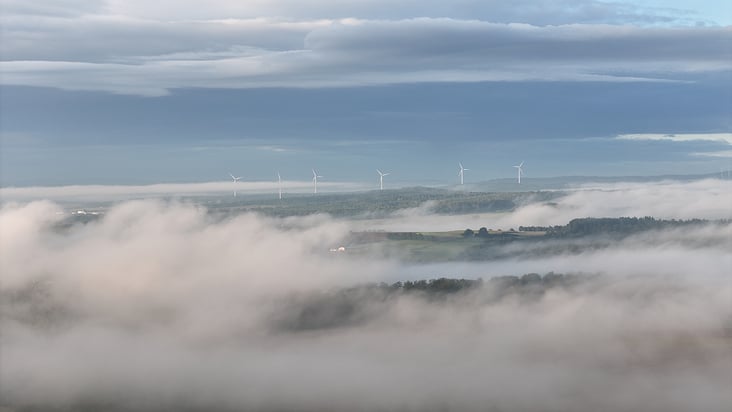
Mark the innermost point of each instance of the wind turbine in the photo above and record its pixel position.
(279, 185)
(315, 181)
(461, 173)
(520, 171)
(235, 179)
(381, 178)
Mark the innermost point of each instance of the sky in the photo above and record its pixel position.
(139, 92)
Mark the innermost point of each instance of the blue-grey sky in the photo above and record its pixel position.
(117, 92)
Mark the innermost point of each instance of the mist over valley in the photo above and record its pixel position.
(158, 305)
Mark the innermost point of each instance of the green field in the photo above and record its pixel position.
(576, 236)
(431, 246)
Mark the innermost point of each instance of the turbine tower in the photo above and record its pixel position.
(235, 179)
(461, 173)
(381, 178)
(520, 171)
(279, 185)
(315, 181)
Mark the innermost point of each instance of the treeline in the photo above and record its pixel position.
(621, 225)
(356, 305)
(484, 232)
(448, 285)
(577, 236)
(440, 285)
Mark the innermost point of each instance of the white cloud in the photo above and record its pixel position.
(680, 137)
(704, 199)
(720, 153)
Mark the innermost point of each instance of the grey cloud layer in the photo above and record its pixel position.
(524, 11)
(157, 307)
(123, 51)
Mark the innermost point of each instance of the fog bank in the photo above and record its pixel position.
(122, 192)
(157, 307)
(704, 199)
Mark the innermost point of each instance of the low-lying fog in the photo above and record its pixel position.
(157, 306)
(121, 192)
(704, 199)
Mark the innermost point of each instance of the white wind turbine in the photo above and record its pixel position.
(279, 185)
(461, 173)
(520, 171)
(381, 178)
(235, 179)
(315, 181)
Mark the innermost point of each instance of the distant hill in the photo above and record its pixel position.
(564, 182)
(495, 195)
(381, 203)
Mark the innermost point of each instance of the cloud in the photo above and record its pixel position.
(158, 306)
(540, 12)
(133, 50)
(721, 153)
(56, 8)
(680, 137)
(724, 139)
(705, 199)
